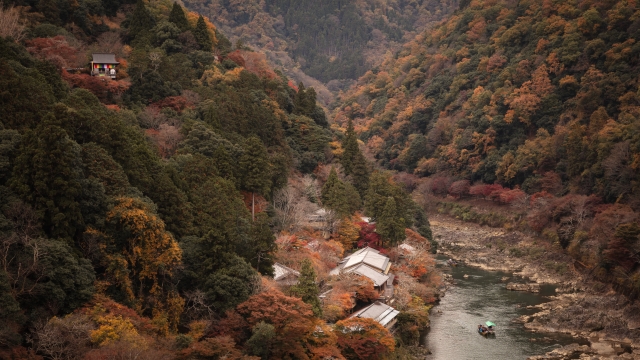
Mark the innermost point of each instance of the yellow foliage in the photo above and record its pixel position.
(148, 255)
(348, 233)
(214, 75)
(115, 328)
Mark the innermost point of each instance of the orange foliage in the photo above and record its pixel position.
(57, 51)
(364, 339)
(256, 62)
(105, 89)
(296, 328)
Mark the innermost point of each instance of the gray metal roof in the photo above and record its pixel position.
(379, 312)
(369, 256)
(376, 276)
(100, 58)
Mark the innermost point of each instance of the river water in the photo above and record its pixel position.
(480, 297)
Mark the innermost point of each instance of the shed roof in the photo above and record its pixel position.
(376, 276)
(104, 58)
(379, 312)
(281, 272)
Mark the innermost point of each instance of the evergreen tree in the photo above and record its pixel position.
(178, 17)
(307, 289)
(47, 175)
(360, 173)
(255, 170)
(201, 33)
(350, 149)
(141, 21)
(224, 163)
(259, 343)
(260, 246)
(389, 225)
(353, 162)
(339, 196)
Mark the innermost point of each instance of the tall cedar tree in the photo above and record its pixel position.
(201, 33)
(141, 21)
(307, 289)
(350, 147)
(339, 196)
(389, 225)
(260, 248)
(353, 162)
(178, 17)
(255, 170)
(48, 176)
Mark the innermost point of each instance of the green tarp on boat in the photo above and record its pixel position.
(489, 323)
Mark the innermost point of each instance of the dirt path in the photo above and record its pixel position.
(581, 308)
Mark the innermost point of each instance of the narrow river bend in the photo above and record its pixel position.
(479, 297)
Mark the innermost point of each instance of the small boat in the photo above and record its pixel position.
(487, 330)
(452, 263)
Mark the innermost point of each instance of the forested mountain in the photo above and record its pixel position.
(327, 40)
(535, 101)
(139, 214)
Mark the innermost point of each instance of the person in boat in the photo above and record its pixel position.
(481, 329)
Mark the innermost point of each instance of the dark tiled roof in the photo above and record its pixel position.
(105, 58)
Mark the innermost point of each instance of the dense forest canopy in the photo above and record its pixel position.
(507, 92)
(139, 214)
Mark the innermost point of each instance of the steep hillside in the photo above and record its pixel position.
(504, 93)
(146, 169)
(538, 96)
(133, 190)
(326, 40)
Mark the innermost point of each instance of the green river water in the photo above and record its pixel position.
(482, 297)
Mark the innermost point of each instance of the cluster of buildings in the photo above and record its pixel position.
(366, 262)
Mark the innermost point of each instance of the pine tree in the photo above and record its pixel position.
(178, 17)
(350, 149)
(141, 21)
(307, 289)
(255, 170)
(389, 225)
(201, 33)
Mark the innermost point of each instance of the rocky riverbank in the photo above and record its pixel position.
(583, 308)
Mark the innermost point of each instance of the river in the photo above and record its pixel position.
(479, 297)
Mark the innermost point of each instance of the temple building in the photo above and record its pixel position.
(104, 65)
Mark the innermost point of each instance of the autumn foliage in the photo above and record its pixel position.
(363, 339)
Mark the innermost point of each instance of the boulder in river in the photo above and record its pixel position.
(534, 288)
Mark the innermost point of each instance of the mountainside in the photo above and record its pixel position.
(330, 41)
(536, 104)
(505, 92)
(151, 175)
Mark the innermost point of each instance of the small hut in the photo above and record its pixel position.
(104, 65)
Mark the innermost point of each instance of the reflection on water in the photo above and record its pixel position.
(480, 297)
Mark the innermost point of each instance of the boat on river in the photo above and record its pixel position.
(488, 330)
